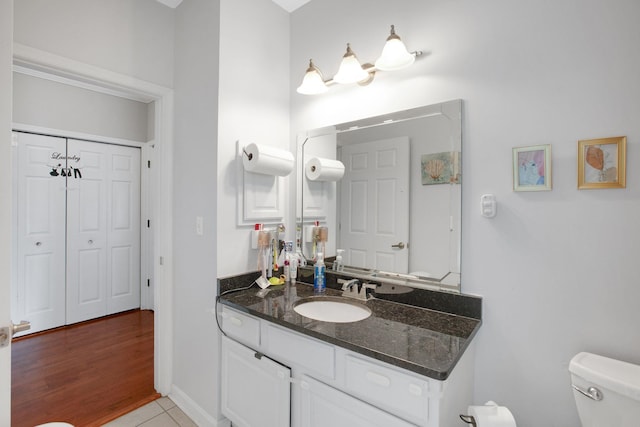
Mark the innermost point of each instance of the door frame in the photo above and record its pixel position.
(160, 181)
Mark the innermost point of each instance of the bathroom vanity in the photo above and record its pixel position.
(409, 363)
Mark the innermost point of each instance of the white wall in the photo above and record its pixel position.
(254, 107)
(195, 373)
(6, 42)
(41, 102)
(134, 38)
(557, 269)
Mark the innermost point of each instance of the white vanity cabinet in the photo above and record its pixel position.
(333, 386)
(255, 389)
(322, 406)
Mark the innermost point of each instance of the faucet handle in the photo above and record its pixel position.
(363, 290)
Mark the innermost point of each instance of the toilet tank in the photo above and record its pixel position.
(618, 385)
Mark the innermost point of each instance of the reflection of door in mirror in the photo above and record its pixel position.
(374, 205)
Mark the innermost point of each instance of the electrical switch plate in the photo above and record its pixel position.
(488, 205)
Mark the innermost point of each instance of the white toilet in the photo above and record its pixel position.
(607, 391)
(55, 424)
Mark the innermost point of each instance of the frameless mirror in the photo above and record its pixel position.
(396, 211)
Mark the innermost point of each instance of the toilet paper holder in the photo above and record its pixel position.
(469, 420)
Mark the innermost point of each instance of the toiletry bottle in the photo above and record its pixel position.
(293, 268)
(337, 264)
(319, 284)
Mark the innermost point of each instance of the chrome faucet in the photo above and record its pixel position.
(353, 289)
(349, 284)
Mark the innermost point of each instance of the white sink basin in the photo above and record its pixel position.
(331, 309)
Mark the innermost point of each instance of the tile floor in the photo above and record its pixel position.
(159, 413)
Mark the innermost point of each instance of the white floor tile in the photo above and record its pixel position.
(159, 413)
(138, 416)
(181, 418)
(163, 420)
(166, 403)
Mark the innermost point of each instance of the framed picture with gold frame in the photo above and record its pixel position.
(602, 163)
(532, 168)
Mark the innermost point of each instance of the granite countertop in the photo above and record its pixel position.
(422, 340)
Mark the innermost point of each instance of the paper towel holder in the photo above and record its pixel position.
(469, 420)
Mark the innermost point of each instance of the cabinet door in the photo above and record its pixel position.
(323, 406)
(255, 389)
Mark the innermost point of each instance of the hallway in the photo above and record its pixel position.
(85, 374)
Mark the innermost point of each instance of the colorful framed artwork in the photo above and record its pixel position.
(440, 168)
(602, 163)
(532, 168)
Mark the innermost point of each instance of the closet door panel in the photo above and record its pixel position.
(87, 231)
(123, 278)
(40, 260)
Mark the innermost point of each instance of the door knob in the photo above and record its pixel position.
(398, 245)
(8, 331)
(24, 325)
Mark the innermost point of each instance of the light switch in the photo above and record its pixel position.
(199, 226)
(488, 205)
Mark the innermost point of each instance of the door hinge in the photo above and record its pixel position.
(148, 164)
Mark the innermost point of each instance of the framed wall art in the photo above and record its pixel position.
(440, 168)
(532, 168)
(602, 163)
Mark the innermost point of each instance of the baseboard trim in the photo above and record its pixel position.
(194, 411)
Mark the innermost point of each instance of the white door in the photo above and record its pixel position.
(323, 406)
(374, 205)
(255, 391)
(123, 232)
(40, 220)
(87, 232)
(103, 237)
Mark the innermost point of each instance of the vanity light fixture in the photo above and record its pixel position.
(395, 56)
(312, 83)
(350, 70)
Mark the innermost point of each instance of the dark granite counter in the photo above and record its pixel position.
(408, 334)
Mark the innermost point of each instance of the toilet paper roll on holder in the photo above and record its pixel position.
(469, 419)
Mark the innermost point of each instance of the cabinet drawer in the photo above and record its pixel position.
(401, 393)
(314, 356)
(240, 326)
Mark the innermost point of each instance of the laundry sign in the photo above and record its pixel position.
(65, 171)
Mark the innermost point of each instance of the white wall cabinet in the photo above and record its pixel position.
(255, 389)
(332, 386)
(78, 230)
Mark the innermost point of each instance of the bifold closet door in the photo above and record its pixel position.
(40, 287)
(103, 231)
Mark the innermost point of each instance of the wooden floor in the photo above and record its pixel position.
(85, 374)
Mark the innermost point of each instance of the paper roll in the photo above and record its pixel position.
(319, 169)
(492, 415)
(267, 160)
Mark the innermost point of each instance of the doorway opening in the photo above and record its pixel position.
(160, 178)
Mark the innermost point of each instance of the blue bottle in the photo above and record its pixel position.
(319, 277)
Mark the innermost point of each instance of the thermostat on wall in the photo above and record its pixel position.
(488, 205)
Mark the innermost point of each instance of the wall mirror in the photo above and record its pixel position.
(396, 211)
